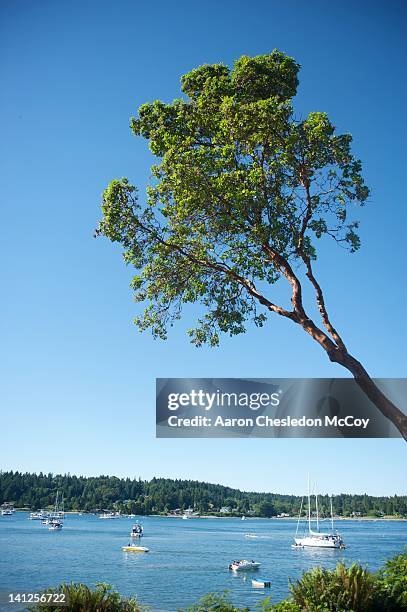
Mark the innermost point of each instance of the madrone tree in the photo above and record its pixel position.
(241, 194)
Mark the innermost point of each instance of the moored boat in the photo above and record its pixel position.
(54, 519)
(244, 565)
(320, 540)
(109, 515)
(317, 539)
(39, 515)
(133, 548)
(136, 531)
(261, 584)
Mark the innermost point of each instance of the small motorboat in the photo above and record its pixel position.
(109, 515)
(261, 584)
(55, 525)
(38, 516)
(250, 535)
(136, 531)
(244, 565)
(133, 548)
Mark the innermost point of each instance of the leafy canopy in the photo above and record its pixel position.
(242, 190)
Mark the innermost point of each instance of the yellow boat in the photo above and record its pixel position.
(135, 548)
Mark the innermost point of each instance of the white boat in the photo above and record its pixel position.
(54, 519)
(40, 515)
(261, 584)
(317, 539)
(133, 548)
(6, 512)
(185, 517)
(136, 531)
(109, 515)
(250, 535)
(243, 518)
(244, 565)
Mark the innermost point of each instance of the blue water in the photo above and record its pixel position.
(186, 560)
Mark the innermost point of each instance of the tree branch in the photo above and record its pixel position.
(310, 275)
(246, 283)
(321, 304)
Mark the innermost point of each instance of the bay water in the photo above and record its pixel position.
(187, 558)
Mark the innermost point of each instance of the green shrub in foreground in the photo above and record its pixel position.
(392, 583)
(81, 598)
(344, 588)
(215, 602)
(287, 605)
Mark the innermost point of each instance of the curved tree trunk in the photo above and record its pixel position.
(362, 378)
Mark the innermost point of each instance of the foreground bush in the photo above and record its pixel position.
(348, 589)
(392, 583)
(81, 598)
(215, 602)
(287, 605)
(352, 588)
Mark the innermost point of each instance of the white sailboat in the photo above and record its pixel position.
(317, 539)
(55, 521)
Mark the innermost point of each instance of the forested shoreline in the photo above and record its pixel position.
(165, 496)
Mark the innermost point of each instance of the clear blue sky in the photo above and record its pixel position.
(77, 390)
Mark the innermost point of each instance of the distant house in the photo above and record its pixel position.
(225, 510)
(283, 515)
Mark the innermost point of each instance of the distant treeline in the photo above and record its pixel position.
(163, 495)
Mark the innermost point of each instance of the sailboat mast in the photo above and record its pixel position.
(299, 516)
(309, 507)
(316, 507)
(332, 516)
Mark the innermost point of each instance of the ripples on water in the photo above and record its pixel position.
(186, 560)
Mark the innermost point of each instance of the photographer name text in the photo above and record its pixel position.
(266, 421)
(253, 401)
